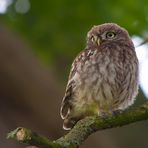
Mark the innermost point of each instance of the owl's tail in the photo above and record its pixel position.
(69, 123)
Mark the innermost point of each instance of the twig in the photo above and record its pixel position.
(82, 129)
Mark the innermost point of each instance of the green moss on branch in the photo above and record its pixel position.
(82, 129)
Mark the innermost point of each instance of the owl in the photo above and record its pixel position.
(103, 77)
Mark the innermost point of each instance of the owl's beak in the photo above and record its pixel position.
(97, 40)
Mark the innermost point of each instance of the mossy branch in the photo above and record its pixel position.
(82, 129)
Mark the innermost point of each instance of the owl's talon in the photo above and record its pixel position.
(103, 115)
(116, 112)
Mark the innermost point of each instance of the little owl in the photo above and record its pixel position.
(103, 77)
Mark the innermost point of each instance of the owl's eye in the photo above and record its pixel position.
(93, 38)
(110, 35)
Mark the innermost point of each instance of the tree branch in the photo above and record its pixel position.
(82, 129)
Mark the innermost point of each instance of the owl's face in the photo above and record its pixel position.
(106, 34)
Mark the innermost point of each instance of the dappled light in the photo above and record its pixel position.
(4, 5)
(142, 53)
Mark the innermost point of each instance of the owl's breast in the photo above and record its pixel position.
(94, 83)
(106, 79)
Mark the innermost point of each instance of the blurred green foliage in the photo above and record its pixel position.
(57, 29)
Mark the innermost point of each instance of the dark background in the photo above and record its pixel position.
(38, 41)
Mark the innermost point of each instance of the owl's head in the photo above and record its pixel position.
(107, 33)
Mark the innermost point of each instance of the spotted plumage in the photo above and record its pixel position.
(103, 77)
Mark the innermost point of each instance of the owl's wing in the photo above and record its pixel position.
(66, 102)
(66, 105)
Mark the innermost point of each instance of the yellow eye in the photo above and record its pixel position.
(110, 35)
(93, 38)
